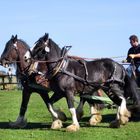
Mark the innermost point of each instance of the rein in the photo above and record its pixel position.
(62, 63)
(91, 83)
(22, 70)
(61, 68)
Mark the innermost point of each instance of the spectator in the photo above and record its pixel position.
(9, 75)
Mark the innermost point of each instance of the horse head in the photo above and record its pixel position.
(44, 49)
(14, 51)
(37, 51)
(10, 52)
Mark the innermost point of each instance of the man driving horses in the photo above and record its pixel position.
(133, 56)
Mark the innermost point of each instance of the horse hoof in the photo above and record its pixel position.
(21, 124)
(115, 124)
(61, 115)
(124, 120)
(73, 128)
(128, 114)
(57, 124)
(95, 119)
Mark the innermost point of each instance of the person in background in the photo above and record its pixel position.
(9, 75)
(133, 57)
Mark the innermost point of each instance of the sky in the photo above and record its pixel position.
(94, 28)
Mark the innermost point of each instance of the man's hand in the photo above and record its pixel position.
(132, 56)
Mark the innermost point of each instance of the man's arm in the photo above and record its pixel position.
(134, 55)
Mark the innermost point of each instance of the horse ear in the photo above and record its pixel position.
(12, 37)
(15, 39)
(46, 36)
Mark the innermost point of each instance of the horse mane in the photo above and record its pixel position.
(25, 46)
(23, 42)
(52, 43)
(76, 57)
(57, 48)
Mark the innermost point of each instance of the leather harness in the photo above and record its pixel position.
(61, 67)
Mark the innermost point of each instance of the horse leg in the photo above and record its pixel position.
(95, 114)
(93, 108)
(57, 115)
(123, 114)
(21, 122)
(79, 109)
(132, 91)
(96, 117)
(70, 101)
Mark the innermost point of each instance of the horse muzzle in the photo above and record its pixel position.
(4, 63)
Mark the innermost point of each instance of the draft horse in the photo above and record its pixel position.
(13, 53)
(67, 77)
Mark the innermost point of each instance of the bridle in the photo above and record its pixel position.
(22, 70)
(60, 62)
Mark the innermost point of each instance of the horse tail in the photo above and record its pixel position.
(131, 90)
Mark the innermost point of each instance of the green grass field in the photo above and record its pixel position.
(39, 122)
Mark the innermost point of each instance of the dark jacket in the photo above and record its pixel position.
(134, 50)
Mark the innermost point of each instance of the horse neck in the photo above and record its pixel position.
(54, 55)
(21, 64)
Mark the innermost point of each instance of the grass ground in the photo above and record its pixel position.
(39, 122)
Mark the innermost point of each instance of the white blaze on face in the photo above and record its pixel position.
(15, 45)
(47, 49)
(27, 55)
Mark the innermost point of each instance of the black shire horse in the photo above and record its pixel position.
(14, 54)
(67, 77)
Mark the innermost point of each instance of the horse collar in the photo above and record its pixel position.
(59, 66)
